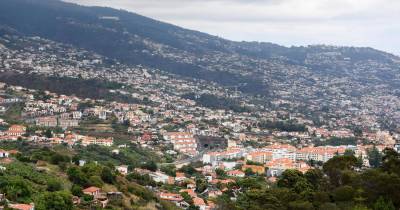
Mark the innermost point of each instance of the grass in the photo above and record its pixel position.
(13, 114)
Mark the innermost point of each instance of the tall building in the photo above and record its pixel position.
(183, 142)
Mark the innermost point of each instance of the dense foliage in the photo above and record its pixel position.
(335, 141)
(50, 177)
(288, 126)
(92, 88)
(337, 185)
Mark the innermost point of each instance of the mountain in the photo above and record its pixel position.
(260, 68)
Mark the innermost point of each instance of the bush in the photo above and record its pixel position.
(76, 190)
(55, 201)
(54, 185)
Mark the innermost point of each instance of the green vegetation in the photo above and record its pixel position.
(132, 156)
(374, 157)
(336, 186)
(335, 141)
(13, 113)
(289, 126)
(50, 177)
(92, 88)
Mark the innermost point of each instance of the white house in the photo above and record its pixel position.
(123, 169)
(4, 154)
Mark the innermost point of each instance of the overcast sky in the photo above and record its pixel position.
(373, 23)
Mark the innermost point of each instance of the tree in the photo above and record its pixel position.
(48, 133)
(54, 200)
(336, 167)
(58, 158)
(107, 175)
(96, 181)
(343, 193)
(169, 169)
(391, 161)
(301, 205)
(249, 172)
(187, 198)
(289, 178)
(220, 172)
(76, 159)
(376, 183)
(360, 161)
(76, 190)
(314, 177)
(304, 188)
(249, 183)
(54, 185)
(150, 165)
(224, 202)
(188, 169)
(201, 185)
(382, 204)
(374, 157)
(16, 188)
(349, 152)
(259, 200)
(77, 176)
(358, 131)
(320, 198)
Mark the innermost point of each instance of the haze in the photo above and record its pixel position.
(372, 23)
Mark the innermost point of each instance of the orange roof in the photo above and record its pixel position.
(227, 152)
(253, 167)
(189, 191)
(322, 150)
(21, 206)
(258, 153)
(17, 127)
(222, 181)
(281, 162)
(170, 196)
(281, 146)
(91, 189)
(179, 174)
(235, 172)
(198, 201)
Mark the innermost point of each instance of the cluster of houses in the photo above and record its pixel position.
(183, 142)
(161, 105)
(280, 157)
(15, 132)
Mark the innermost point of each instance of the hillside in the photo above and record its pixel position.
(51, 178)
(107, 109)
(133, 39)
(347, 81)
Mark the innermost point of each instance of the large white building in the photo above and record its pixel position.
(183, 142)
(212, 157)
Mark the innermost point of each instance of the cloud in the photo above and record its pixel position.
(289, 22)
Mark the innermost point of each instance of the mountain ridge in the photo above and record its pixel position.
(135, 39)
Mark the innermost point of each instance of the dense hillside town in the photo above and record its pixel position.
(187, 120)
(149, 109)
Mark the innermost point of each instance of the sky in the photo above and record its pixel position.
(364, 23)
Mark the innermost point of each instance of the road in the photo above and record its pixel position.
(180, 163)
